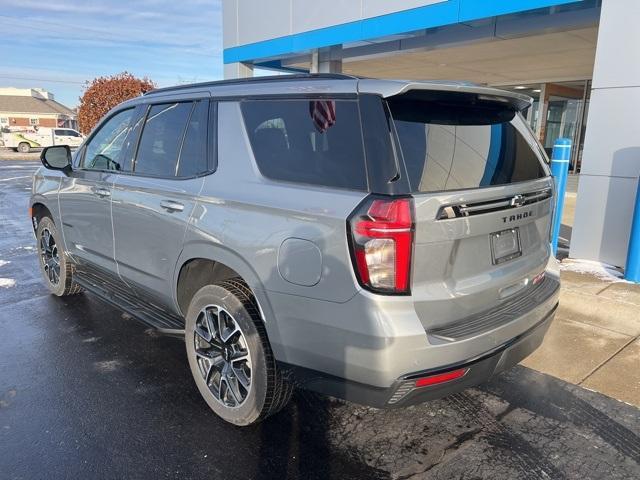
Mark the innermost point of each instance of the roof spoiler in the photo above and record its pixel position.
(424, 90)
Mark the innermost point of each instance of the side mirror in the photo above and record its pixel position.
(57, 157)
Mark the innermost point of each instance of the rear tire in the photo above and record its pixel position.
(55, 267)
(24, 147)
(235, 372)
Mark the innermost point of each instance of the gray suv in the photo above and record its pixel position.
(380, 241)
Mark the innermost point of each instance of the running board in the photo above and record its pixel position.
(164, 323)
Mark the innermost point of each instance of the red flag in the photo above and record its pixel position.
(323, 114)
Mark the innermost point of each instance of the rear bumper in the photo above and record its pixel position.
(403, 393)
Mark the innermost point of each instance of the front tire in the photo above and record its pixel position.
(230, 356)
(24, 147)
(54, 264)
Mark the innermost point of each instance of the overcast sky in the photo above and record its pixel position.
(58, 45)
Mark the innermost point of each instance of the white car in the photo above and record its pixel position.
(27, 138)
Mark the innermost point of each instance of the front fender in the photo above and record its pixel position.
(45, 188)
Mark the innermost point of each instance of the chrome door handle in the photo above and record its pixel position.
(102, 192)
(172, 206)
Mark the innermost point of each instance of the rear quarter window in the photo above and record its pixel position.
(316, 142)
(458, 151)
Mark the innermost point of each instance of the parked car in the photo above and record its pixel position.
(381, 241)
(24, 139)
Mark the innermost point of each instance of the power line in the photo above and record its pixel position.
(34, 79)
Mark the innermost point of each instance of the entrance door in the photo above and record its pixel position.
(564, 106)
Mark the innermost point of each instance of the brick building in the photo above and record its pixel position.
(25, 107)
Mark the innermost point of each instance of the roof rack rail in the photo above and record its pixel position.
(265, 79)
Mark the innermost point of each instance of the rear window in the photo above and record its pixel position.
(316, 142)
(451, 148)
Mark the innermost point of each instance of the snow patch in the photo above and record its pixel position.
(7, 282)
(108, 365)
(4, 262)
(602, 271)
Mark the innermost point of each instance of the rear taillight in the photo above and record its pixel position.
(381, 232)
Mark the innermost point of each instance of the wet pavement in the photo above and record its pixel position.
(87, 392)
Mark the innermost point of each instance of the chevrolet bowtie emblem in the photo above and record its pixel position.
(517, 201)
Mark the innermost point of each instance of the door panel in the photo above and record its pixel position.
(86, 218)
(151, 207)
(85, 195)
(150, 217)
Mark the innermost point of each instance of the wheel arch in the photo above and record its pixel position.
(202, 263)
(38, 211)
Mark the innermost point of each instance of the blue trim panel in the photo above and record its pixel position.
(429, 16)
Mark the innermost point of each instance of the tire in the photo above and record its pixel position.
(267, 391)
(61, 283)
(24, 147)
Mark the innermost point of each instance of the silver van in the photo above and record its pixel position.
(380, 241)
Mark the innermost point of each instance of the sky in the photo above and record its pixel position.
(59, 45)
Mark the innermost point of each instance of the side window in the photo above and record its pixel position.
(316, 142)
(161, 139)
(59, 132)
(104, 151)
(193, 155)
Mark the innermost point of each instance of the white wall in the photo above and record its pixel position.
(611, 158)
(249, 21)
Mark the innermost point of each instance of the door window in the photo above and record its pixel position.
(161, 139)
(193, 154)
(105, 149)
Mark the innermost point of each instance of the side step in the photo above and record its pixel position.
(163, 322)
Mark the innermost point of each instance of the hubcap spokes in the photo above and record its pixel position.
(50, 257)
(223, 357)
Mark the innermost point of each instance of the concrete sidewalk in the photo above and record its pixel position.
(595, 339)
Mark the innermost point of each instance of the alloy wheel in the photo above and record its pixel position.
(222, 354)
(50, 256)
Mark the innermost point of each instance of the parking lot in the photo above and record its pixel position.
(87, 392)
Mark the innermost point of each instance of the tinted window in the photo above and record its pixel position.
(161, 138)
(104, 151)
(381, 155)
(59, 132)
(307, 141)
(193, 155)
(442, 153)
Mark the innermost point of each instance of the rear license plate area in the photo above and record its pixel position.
(505, 245)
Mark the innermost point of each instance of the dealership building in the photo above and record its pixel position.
(578, 59)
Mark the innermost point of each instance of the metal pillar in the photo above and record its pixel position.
(238, 70)
(326, 60)
(560, 157)
(632, 269)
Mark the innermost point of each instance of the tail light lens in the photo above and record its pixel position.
(382, 240)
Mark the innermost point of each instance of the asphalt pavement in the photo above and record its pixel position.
(87, 392)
